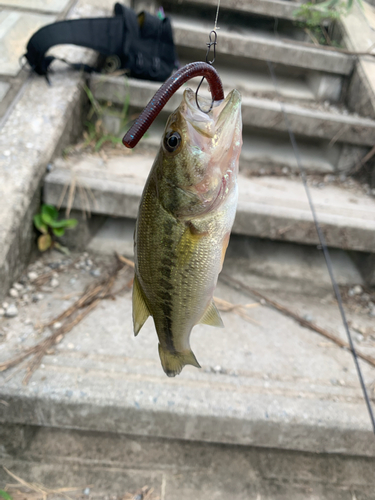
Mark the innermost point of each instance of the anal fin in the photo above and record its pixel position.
(173, 363)
(140, 309)
(212, 317)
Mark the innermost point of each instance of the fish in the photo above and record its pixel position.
(184, 222)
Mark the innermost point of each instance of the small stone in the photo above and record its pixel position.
(26, 299)
(2, 312)
(37, 297)
(285, 170)
(308, 317)
(13, 293)
(360, 337)
(54, 265)
(329, 178)
(32, 275)
(342, 382)
(70, 346)
(54, 283)
(86, 491)
(18, 286)
(217, 369)
(57, 325)
(28, 321)
(89, 262)
(96, 273)
(263, 302)
(11, 311)
(5, 305)
(356, 290)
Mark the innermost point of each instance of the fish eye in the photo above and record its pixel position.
(171, 141)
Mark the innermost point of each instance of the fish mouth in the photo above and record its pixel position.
(216, 136)
(218, 132)
(208, 124)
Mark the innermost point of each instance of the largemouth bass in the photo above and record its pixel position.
(184, 221)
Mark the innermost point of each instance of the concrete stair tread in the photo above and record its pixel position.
(273, 207)
(311, 121)
(273, 8)
(253, 44)
(268, 382)
(252, 81)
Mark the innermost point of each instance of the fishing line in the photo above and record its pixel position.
(209, 45)
(323, 244)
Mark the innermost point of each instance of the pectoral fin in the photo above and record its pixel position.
(140, 309)
(212, 317)
(173, 363)
(188, 243)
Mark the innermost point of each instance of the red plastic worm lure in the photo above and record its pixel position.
(162, 96)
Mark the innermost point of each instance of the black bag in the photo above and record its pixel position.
(142, 44)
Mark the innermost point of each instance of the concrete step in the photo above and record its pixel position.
(265, 382)
(269, 207)
(253, 43)
(315, 121)
(270, 8)
(103, 465)
(268, 153)
(300, 268)
(276, 411)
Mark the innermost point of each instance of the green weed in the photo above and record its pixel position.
(5, 495)
(46, 222)
(318, 17)
(96, 134)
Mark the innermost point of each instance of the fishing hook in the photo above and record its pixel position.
(165, 92)
(209, 45)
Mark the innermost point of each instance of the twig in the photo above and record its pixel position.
(224, 305)
(89, 300)
(38, 488)
(302, 321)
(124, 260)
(364, 160)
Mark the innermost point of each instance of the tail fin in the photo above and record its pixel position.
(174, 363)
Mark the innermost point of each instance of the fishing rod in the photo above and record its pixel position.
(323, 244)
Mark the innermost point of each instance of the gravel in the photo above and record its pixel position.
(11, 311)
(14, 293)
(32, 275)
